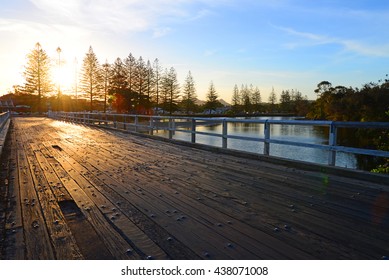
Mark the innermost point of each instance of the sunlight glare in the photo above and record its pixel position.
(65, 78)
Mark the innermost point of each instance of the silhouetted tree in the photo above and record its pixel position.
(212, 97)
(130, 63)
(189, 93)
(285, 101)
(140, 85)
(91, 78)
(245, 95)
(37, 74)
(170, 90)
(272, 99)
(235, 97)
(157, 80)
(149, 83)
(256, 99)
(106, 71)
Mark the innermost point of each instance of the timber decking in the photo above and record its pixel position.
(74, 192)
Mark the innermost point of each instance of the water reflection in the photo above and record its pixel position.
(295, 133)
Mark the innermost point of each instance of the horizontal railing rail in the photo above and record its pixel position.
(189, 125)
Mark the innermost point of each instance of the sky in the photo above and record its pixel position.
(280, 44)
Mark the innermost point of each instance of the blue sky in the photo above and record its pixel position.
(285, 44)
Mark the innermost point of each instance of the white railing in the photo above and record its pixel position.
(149, 124)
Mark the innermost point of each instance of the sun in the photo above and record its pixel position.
(65, 78)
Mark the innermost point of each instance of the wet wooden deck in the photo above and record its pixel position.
(75, 192)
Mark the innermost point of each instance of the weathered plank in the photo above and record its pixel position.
(37, 239)
(138, 198)
(12, 243)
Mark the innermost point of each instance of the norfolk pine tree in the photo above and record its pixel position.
(170, 89)
(157, 79)
(91, 78)
(212, 97)
(189, 93)
(37, 74)
(106, 71)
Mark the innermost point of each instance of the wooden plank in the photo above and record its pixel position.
(146, 206)
(114, 242)
(226, 206)
(346, 230)
(13, 243)
(37, 239)
(143, 244)
(199, 209)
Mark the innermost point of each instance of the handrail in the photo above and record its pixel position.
(172, 124)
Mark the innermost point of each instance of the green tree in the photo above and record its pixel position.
(322, 87)
(212, 96)
(140, 84)
(246, 98)
(189, 93)
(272, 100)
(130, 63)
(37, 74)
(286, 101)
(235, 97)
(256, 99)
(170, 90)
(91, 78)
(123, 98)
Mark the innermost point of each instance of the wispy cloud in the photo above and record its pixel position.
(351, 45)
(125, 15)
(161, 31)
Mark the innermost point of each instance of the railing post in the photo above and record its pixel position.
(193, 130)
(151, 131)
(332, 143)
(224, 136)
(114, 121)
(136, 123)
(266, 144)
(171, 124)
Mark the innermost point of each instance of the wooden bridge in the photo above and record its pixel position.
(70, 191)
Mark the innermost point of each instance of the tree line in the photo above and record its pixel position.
(126, 85)
(248, 100)
(370, 103)
(134, 85)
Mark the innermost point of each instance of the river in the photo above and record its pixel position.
(296, 133)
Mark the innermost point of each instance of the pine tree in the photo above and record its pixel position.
(212, 97)
(37, 74)
(130, 63)
(106, 71)
(285, 101)
(235, 97)
(157, 80)
(91, 78)
(123, 99)
(149, 83)
(256, 99)
(140, 85)
(246, 101)
(189, 92)
(170, 90)
(272, 99)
